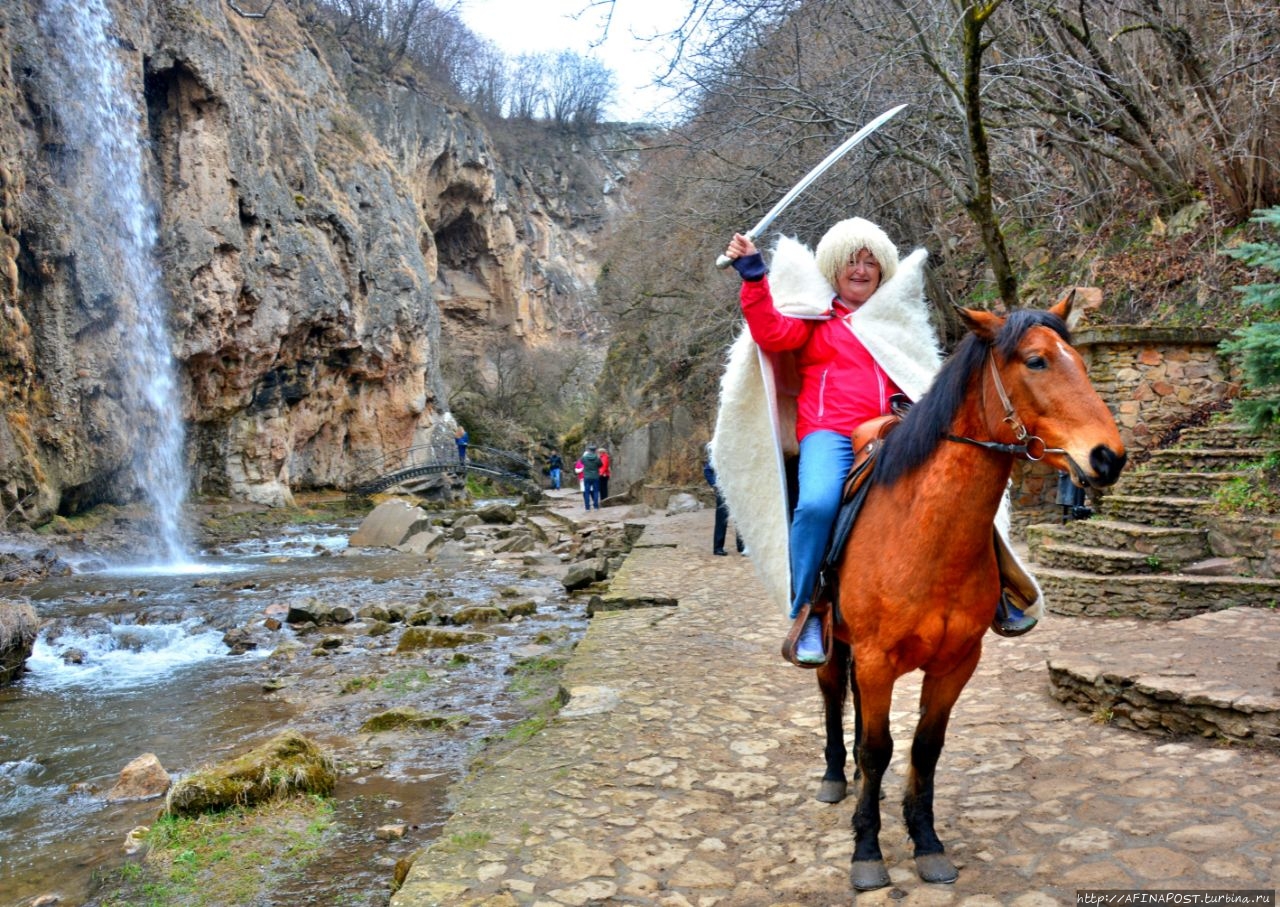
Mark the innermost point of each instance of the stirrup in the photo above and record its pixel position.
(1010, 620)
(822, 611)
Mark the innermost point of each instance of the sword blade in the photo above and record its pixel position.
(825, 164)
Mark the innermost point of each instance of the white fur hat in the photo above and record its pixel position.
(846, 238)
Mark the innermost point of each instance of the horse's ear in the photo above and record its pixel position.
(1063, 308)
(985, 324)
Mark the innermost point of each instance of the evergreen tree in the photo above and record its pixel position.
(1258, 345)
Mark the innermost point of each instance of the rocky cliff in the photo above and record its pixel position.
(323, 236)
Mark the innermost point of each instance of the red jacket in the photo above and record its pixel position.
(841, 385)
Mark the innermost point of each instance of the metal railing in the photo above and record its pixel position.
(374, 474)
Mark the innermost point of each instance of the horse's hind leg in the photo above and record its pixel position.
(832, 679)
(937, 697)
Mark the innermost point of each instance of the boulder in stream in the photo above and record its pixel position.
(391, 524)
(402, 718)
(18, 627)
(141, 779)
(416, 638)
(286, 765)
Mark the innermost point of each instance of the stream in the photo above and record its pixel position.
(133, 661)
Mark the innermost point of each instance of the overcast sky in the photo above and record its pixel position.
(538, 26)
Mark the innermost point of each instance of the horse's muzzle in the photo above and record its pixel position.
(1106, 465)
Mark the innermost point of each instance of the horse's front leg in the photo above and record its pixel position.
(873, 694)
(938, 695)
(833, 678)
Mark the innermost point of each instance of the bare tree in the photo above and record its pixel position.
(483, 81)
(526, 89)
(578, 88)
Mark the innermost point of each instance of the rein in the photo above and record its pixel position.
(1031, 446)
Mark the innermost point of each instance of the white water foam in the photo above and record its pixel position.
(126, 657)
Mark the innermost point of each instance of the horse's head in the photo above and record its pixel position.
(1037, 393)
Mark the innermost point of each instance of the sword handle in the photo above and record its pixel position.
(724, 260)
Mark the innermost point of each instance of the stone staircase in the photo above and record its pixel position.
(1157, 553)
(1157, 549)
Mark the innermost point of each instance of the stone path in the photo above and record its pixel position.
(681, 773)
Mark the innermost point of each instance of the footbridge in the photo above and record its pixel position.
(413, 468)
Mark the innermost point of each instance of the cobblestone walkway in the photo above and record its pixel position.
(682, 772)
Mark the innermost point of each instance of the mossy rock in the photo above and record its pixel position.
(525, 608)
(417, 638)
(404, 717)
(287, 765)
(478, 614)
(423, 617)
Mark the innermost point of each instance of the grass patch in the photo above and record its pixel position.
(534, 677)
(468, 840)
(1255, 494)
(525, 729)
(240, 856)
(407, 681)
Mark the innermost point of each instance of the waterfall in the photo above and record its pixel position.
(101, 122)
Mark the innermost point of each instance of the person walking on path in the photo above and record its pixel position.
(591, 477)
(554, 467)
(462, 437)
(722, 512)
(604, 473)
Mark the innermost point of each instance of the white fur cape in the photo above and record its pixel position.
(756, 422)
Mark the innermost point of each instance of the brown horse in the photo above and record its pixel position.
(918, 584)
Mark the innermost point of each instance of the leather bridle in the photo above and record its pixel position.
(1030, 446)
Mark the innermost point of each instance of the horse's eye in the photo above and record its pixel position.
(1038, 363)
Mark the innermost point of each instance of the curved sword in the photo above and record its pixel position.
(724, 261)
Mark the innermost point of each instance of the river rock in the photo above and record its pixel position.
(515, 543)
(405, 717)
(683, 502)
(497, 513)
(391, 524)
(141, 779)
(524, 608)
(136, 839)
(18, 628)
(477, 614)
(423, 542)
(238, 641)
(415, 638)
(286, 765)
(581, 575)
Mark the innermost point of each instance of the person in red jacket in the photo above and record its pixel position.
(841, 386)
(604, 472)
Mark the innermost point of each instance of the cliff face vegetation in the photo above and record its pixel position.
(323, 234)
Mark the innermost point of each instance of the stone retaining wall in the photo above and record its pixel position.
(1152, 378)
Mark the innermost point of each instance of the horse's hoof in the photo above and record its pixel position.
(832, 791)
(868, 875)
(936, 868)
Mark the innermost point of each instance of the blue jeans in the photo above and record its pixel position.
(591, 493)
(555, 478)
(825, 458)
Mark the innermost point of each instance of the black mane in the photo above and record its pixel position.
(927, 422)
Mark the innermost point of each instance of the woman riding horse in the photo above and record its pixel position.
(849, 368)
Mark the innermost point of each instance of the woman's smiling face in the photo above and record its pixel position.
(858, 279)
